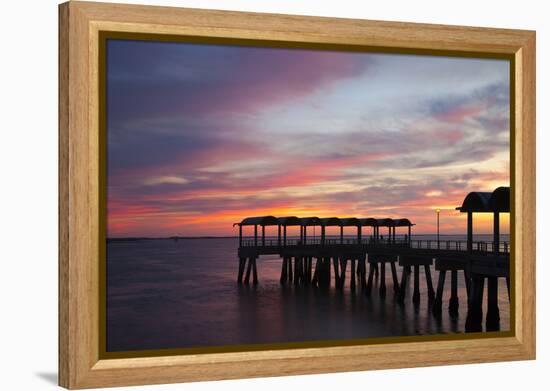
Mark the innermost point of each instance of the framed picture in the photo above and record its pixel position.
(247, 195)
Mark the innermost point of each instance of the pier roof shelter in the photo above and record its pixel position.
(369, 222)
(328, 222)
(386, 222)
(288, 221)
(500, 200)
(499, 203)
(262, 221)
(350, 222)
(474, 202)
(403, 223)
(308, 222)
(495, 202)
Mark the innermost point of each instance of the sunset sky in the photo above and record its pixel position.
(201, 136)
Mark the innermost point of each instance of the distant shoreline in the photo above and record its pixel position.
(135, 239)
(144, 238)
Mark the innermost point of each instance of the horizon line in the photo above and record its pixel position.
(271, 236)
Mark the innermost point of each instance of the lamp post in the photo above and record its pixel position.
(437, 211)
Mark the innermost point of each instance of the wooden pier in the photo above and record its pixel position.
(312, 261)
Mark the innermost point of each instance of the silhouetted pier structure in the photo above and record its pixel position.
(478, 260)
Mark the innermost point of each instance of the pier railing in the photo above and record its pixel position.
(446, 245)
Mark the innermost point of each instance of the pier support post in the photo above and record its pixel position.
(336, 272)
(296, 270)
(352, 275)
(394, 277)
(324, 273)
(242, 263)
(254, 272)
(409, 272)
(321, 274)
(315, 279)
(475, 311)
(453, 301)
(284, 271)
(438, 303)
(403, 286)
(371, 277)
(416, 288)
(249, 267)
(289, 269)
(343, 266)
(328, 272)
(240, 235)
(429, 284)
(382, 287)
(363, 276)
(467, 282)
(493, 313)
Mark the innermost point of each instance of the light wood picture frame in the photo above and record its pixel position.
(81, 144)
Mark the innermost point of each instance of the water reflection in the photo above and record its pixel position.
(167, 294)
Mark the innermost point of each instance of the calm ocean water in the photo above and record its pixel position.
(178, 294)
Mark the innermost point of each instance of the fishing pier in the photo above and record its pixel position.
(369, 244)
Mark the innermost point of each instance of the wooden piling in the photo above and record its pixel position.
(368, 288)
(403, 286)
(289, 268)
(284, 271)
(438, 302)
(363, 274)
(315, 279)
(242, 262)
(343, 266)
(254, 272)
(431, 293)
(475, 311)
(352, 275)
(324, 273)
(416, 288)
(394, 277)
(382, 287)
(321, 273)
(453, 300)
(467, 281)
(328, 272)
(296, 270)
(493, 313)
(336, 272)
(247, 277)
(303, 269)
